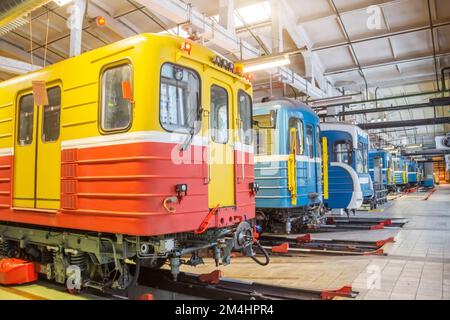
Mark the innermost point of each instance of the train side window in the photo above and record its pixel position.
(342, 151)
(116, 108)
(318, 144)
(26, 120)
(245, 114)
(264, 134)
(219, 114)
(298, 125)
(179, 98)
(52, 116)
(310, 140)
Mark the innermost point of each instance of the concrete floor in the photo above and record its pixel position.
(417, 265)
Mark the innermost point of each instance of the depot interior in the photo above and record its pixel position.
(380, 66)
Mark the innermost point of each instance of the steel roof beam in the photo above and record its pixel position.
(407, 123)
(183, 14)
(13, 66)
(385, 63)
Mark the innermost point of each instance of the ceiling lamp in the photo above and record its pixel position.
(266, 64)
(414, 146)
(62, 2)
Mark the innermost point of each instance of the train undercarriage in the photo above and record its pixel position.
(112, 262)
(291, 220)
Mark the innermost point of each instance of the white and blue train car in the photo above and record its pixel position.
(287, 165)
(349, 183)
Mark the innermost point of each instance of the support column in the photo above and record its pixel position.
(277, 27)
(226, 15)
(76, 18)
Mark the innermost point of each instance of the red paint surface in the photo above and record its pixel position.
(121, 189)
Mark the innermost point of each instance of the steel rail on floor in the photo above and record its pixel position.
(212, 286)
(292, 245)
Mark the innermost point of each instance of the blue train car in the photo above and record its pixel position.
(379, 161)
(287, 165)
(400, 173)
(412, 172)
(349, 181)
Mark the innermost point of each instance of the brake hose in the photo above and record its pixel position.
(266, 255)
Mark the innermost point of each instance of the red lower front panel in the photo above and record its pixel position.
(121, 189)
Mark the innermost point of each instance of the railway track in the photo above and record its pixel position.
(212, 286)
(295, 245)
(335, 224)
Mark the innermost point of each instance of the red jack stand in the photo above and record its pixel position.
(345, 291)
(211, 278)
(381, 243)
(145, 297)
(282, 248)
(377, 227)
(17, 271)
(304, 239)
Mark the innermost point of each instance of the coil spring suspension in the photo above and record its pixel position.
(79, 260)
(6, 248)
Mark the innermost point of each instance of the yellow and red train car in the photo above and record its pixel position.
(135, 153)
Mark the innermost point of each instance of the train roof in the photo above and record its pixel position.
(351, 129)
(283, 103)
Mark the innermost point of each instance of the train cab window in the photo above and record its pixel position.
(342, 152)
(179, 98)
(264, 135)
(219, 114)
(116, 109)
(52, 115)
(361, 158)
(26, 120)
(297, 124)
(310, 141)
(245, 114)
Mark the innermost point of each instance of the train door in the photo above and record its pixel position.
(25, 153)
(37, 154)
(377, 170)
(48, 176)
(221, 146)
(311, 162)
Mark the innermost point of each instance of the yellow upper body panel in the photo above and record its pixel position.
(80, 81)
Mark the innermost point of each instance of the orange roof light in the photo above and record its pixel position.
(100, 21)
(187, 47)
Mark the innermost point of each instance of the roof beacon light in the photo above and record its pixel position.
(100, 21)
(187, 47)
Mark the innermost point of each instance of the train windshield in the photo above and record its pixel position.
(264, 134)
(343, 152)
(180, 98)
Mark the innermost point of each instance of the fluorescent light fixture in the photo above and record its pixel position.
(389, 148)
(62, 2)
(267, 65)
(413, 146)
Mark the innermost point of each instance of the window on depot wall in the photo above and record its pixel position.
(179, 98)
